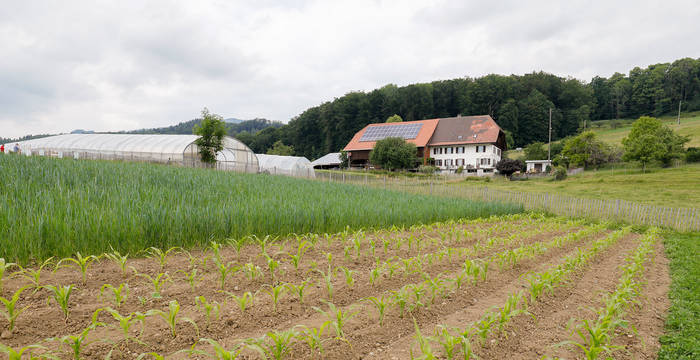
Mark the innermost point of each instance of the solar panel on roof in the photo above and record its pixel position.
(406, 131)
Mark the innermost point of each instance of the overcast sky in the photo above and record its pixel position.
(120, 65)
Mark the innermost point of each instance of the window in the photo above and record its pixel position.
(489, 161)
(451, 150)
(440, 150)
(438, 162)
(477, 148)
(434, 151)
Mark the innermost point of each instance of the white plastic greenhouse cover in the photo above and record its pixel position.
(286, 165)
(169, 149)
(330, 159)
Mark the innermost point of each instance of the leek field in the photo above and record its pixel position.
(57, 207)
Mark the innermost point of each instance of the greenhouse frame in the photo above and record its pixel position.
(165, 149)
(286, 165)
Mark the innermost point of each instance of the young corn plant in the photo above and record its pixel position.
(152, 354)
(348, 274)
(156, 282)
(79, 262)
(209, 309)
(4, 266)
(77, 342)
(11, 311)
(224, 270)
(328, 280)
(272, 266)
(423, 344)
(301, 250)
(298, 290)
(276, 293)
(252, 271)
(401, 299)
(485, 326)
(450, 343)
(13, 354)
(34, 275)
(160, 255)
(61, 295)
(511, 309)
(118, 294)
(337, 317)
(118, 259)
(192, 277)
(220, 352)
(171, 319)
(244, 301)
(314, 337)
(275, 344)
(381, 303)
(125, 323)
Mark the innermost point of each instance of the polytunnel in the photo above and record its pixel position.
(166, 149)
(286, 165)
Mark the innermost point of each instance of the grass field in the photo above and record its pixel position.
(445, 290)
(671, 187)
(57, 207)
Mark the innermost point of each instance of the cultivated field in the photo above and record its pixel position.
(57, 207)
(515, 286)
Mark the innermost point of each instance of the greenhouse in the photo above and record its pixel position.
(165, 149)
(286, 165)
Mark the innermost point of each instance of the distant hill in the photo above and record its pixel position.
(233, 127)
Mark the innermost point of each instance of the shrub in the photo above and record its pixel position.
(427, 169)
(508, 166)
(459, 170)
(692, 155)
(560, 173)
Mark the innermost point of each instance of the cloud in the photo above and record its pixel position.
(114, 65)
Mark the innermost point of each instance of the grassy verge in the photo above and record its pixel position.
(682, 338)
(56, 207)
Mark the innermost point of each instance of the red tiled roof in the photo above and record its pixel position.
(424, 135)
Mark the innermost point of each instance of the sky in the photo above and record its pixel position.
(123, 65)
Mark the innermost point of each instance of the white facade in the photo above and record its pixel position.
(470, 156)
(537, 166)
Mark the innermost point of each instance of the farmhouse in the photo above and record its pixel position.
(474, 143)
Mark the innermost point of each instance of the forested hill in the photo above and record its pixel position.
(232, 128)
(519, 103)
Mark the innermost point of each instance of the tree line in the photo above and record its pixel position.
(519, 103)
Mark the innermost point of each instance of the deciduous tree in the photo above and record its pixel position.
(394, 153)
(211, 133)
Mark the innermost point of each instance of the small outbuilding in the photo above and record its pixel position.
(537, 166)
(285, 165)
(328, 161)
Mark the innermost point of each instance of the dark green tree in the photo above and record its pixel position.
(585, 150)
(211, 133)
(394, 153)
(508, 166)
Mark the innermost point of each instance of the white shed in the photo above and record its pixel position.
(537, 166)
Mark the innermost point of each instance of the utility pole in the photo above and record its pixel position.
(549, 146)
(679, 111)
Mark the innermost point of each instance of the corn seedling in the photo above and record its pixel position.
(348, 274)
(224, 270)
(401, 299)
(160, 255)
(61, 295)
(157, 282)
(375, 275)
(118, 259)
(511, 309)
(423, 344)
(485, 325)
(301, 250)
(220, 352)
(276, 293)
(77, 342)
(4, 266)
(11, 311)
(125, 323)
(450, 343)
(418, 290)
(466, 345)
(337, 318)
(298, 289)
(381, 303)
(252, 271)
(243, 301)
(192, 277)
(119, 294)
(13, 354)
(275, 344)
(328, 280)
(272, 265)
(171, 318)
(152, 354)
(314, 337)
(79, 262)
(209, 308)
(34, 275)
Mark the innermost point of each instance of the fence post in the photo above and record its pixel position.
(384, 182)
